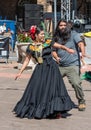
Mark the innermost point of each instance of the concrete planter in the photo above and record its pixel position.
(21, 53)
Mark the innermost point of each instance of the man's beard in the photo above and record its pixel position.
(64, 34)
(62, 30)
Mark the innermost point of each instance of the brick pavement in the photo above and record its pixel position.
(11, 91)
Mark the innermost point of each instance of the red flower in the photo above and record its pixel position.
(33, 31)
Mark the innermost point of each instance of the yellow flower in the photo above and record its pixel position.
(48, 41)
(32, 47)
(35, 48)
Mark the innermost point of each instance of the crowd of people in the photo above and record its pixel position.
(7, 32)
(46, 95)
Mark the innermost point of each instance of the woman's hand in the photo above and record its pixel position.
(17, 76)
(25, 63)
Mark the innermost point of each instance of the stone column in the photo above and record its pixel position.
(47, 8)
(43, 2)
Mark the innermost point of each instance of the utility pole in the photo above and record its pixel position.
(55, 13)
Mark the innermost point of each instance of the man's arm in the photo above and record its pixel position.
(82, 48)
(59, 46)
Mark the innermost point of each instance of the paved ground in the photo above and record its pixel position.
(11, 91)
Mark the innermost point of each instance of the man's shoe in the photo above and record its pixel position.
(81, 107)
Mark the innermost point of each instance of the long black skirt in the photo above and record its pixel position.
(45, 93)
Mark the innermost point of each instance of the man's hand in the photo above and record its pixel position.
(84, 55)
(70, 51)
(58, 60)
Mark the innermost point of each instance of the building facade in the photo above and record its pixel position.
(10, 9)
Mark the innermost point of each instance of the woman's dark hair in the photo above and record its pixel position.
(39, 29)
(63, 35)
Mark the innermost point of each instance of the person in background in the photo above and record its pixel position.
(1, 30)
(45, 95)
(69, 63)
(4, 27)
(9, 34)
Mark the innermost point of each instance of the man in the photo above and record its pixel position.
(69, 63)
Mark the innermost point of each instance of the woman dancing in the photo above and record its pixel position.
(45, 95)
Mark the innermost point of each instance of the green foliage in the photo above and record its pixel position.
(47, 34)
(23, 37)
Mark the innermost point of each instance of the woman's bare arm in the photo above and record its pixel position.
(25, 63)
